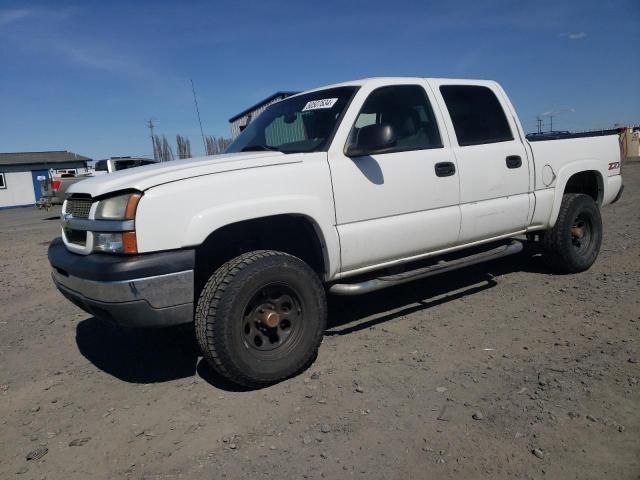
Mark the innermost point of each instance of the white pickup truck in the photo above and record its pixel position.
(344, 189)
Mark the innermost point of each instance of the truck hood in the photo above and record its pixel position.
(143, 178)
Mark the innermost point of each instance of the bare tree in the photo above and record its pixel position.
(167, 152)
(216, 145)
(163, 149)
(157, 147)
(184, 146)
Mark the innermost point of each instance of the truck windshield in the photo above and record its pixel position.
(304, 123)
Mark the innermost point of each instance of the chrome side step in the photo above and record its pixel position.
(444, 266)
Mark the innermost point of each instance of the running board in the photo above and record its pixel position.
(440, 267)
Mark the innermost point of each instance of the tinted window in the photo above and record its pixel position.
(407, 109)
(101, 166)
(2, 184)
(476, 114)
(124, 164)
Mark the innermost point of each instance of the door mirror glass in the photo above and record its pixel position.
(371, 139)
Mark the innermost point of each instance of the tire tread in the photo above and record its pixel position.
(555, 242)
(208, 324)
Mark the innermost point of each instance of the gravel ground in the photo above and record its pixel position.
(496, 371)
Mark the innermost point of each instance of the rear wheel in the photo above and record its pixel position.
(260, 318)
(573, 244)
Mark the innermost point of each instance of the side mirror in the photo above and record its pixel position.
(372, 139)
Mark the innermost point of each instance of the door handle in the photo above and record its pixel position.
(514, 161)
(445, 169)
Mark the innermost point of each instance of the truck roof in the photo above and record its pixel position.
(380, 81)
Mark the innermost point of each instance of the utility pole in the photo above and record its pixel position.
(539, 123)
(193, 88)
(153, 143)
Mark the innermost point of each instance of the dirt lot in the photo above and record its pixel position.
(460, 376)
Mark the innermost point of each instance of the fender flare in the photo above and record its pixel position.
(563, 176)
(214, 218)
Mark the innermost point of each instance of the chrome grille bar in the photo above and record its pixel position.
(79, 207)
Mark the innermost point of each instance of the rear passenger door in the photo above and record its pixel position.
(492, 161)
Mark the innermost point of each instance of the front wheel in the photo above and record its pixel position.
(573, 244)
(260, 318)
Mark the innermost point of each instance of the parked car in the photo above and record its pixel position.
(346, 189)
(115, 164)
(61, 184)
(552, 135)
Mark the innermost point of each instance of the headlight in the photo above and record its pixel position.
(115, 242)
(122, 207)
(120, 211)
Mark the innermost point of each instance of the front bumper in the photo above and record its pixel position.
(150, 290)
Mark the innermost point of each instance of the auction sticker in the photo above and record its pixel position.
(318, 104)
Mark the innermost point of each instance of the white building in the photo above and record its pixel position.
(22, 174)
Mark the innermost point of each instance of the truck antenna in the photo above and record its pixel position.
(195, 100)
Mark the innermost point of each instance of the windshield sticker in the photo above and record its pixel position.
(318, 104)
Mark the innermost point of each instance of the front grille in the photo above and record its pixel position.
(79, 207)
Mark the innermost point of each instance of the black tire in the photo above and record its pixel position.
(573, 244)
(233, 329)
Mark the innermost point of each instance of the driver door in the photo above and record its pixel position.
(401, 203)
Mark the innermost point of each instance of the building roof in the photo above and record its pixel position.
(26, 158)
(261, 103)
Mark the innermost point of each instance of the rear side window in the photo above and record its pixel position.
(476, 114)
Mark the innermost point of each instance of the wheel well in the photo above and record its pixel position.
(589, 183)
(293, 234)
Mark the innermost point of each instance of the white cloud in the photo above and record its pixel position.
(10, 16)
(52, 39)
(574, 35)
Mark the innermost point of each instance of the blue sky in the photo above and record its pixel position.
(86, 76)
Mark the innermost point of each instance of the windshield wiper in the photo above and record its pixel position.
(259, 148)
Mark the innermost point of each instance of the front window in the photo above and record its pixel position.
(407, 110)
(304, 123)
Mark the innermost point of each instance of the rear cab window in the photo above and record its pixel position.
(476, 114)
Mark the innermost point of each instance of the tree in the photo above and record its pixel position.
(157, 147)
(167, 153)
(161, 149)
(184, 147)
(217, 145)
